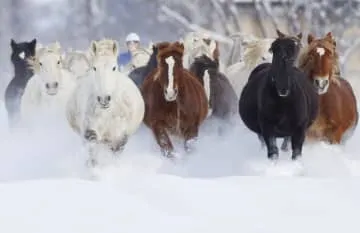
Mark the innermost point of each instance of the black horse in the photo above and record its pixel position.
(22, 74)
(139, 74)
(223, 99)
(278, 100)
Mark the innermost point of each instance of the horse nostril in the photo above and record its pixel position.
(99, 99)
(108, 98)
(47, 86)
(56, 84)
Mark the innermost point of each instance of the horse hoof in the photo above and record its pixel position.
(295, 157)
(284, 148)
(189, 145)
(91, 163)
(90, 135)
(169, 154)
(273, 157)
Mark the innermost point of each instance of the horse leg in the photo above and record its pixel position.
(270, 141)
(335, 135)
(163, 141)
(190, 134)
(285, 144)
(118, 145)
(262, 141)
(297, 141)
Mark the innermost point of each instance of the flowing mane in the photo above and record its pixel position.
(306, 61)
(255, 50)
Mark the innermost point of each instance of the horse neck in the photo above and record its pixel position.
(151, 65)
(198, 70)
(22, 71)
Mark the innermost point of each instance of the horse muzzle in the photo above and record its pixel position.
(52, 88)
(170, 95)
(104, 102)
(284, 93)
(321, 84)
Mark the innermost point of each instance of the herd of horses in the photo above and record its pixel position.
(279, 87)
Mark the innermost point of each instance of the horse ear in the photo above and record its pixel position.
(310, 38)
(329, 35)
(115, 48)
(280, 34)
(13, 43)
(299, 35)
(93, 47)
(212, 46)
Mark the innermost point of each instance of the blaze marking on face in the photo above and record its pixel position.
(22, 55)
(170, 88)
(320, 51)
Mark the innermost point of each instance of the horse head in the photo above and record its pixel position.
(104, 72)
(169, 69)
(285, 50)
(206, 63)
(321, 63)
(47, 65)
(22, 51)
(77, 62)
(197, 44)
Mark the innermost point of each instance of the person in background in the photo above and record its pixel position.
(132, 44)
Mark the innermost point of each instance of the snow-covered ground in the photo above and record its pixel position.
(227, 185)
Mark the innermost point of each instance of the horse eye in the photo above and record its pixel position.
(58, 62)
(94, 68)
(114, 68)
(40, 63)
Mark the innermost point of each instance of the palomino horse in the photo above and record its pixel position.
(222, 99)
(338, 112)
(22, 74)
(77, 62)
(175, 101)
(106, 107)
(198, 44)
(278, 100)
(139, 58)
(51, 85)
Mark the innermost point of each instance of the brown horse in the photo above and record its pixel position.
(175, 101)
(337, 103)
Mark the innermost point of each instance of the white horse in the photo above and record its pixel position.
(77, 62)
(106, 107)
(256, 52)
(197, 44)
(51, 85)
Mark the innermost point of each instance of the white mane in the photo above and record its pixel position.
(256, 52)
(106, 102)
(51, 85)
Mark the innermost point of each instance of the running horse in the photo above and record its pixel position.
(175, 101)
(338, 114)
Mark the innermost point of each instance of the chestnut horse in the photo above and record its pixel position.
(337, 113)
(175, 101)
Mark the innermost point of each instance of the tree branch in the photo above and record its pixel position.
(193, 27)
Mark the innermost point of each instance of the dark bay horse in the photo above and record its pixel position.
(175, 101)
(139, 74)
(223, 99)
(338, 114)
(278, 100)
(21, 52)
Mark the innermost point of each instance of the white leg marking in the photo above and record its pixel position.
(170, 88)
(206, 79)
(320, 51)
